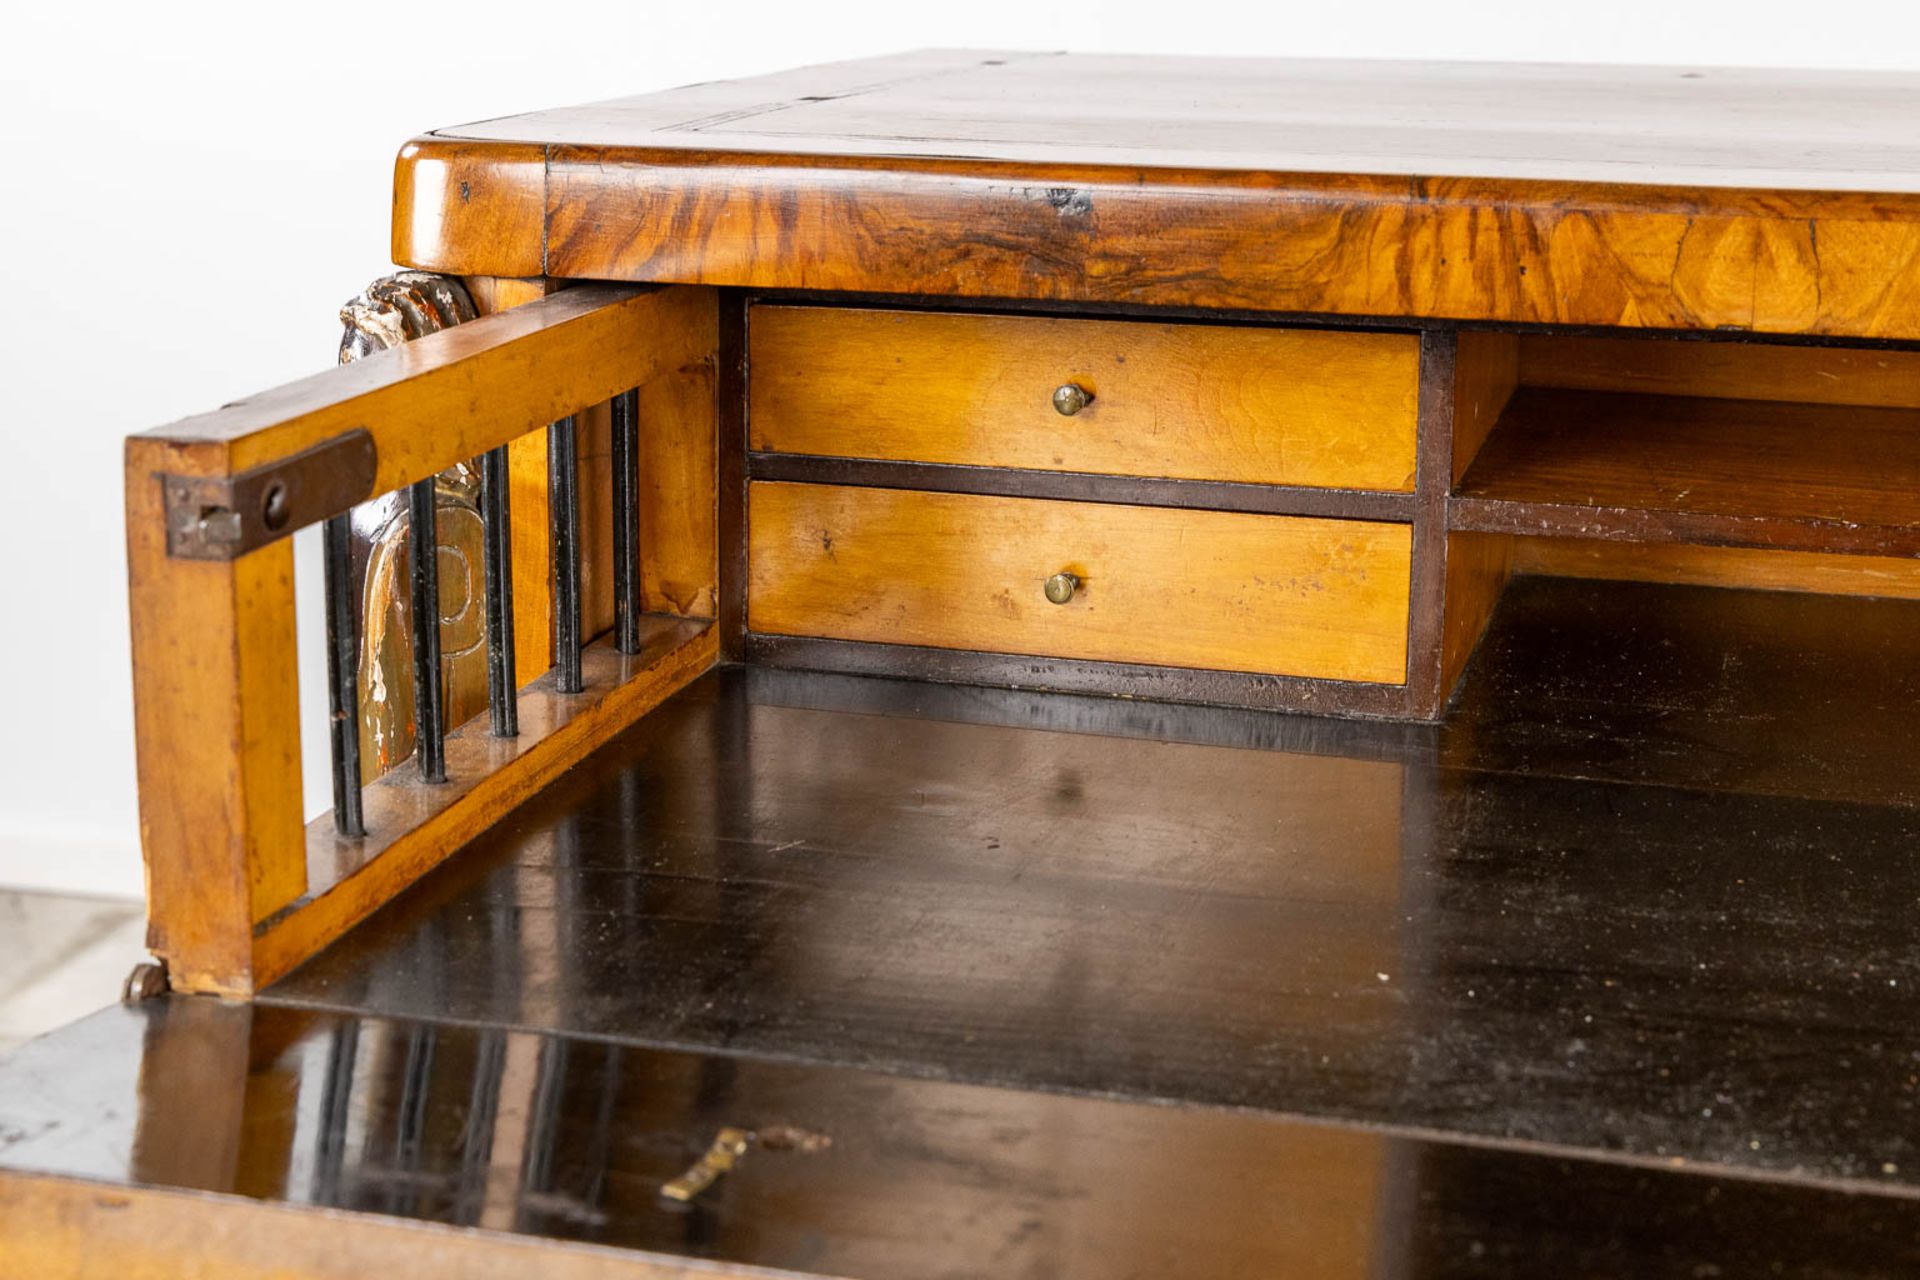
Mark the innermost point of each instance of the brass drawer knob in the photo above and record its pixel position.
(1071, 398)
(1061, 586)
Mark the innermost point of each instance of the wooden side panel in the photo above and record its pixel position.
(1482, 381)
(1198, 402)
(596, 520)
(532, 557)
(1760, 569)
(1214, 590)
(679, 473)
(216, 715)
(1730, 370)
(1486, 370)
(1478, 566)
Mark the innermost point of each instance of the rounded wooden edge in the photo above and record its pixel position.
(470, 208)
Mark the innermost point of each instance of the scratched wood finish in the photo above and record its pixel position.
(1198, 402)
(1373, 189)
(1694, 469)
(1215, 590)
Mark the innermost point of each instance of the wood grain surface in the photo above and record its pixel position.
(1764, 569)
(1696, 469)
(217, 735)
(1217, 590)
(454, 394)
(1869, 376)
(1657, 198)
(1200, 402)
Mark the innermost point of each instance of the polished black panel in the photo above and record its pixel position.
(861, 1174)
(1643, 903)
(1593, 941)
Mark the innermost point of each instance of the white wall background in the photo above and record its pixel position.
(191, 189)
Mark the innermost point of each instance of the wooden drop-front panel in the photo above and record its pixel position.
(1323, 408)
(1215, 590)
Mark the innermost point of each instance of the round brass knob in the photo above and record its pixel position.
(1061, 586)
(1070, 398)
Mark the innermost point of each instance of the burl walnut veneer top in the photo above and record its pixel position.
(1662, 197)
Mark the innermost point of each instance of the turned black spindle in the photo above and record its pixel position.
(503, 698)
(430, 746)
(343, 675)
(626, 521)
(563, 502)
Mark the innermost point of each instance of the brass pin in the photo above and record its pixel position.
(728, 1146)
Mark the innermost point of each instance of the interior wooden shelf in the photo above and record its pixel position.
(1644, 468)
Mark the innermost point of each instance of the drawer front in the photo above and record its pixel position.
(1320, 408)
(1223, 591)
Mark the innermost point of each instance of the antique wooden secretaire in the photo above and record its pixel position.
(1033, 665)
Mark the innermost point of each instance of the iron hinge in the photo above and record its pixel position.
(221, 517)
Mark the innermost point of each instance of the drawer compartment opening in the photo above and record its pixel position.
(1725, 463)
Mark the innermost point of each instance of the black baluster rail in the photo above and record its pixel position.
(563, 502)
(626, 521)
(343, 675)
(503, 698)
(430, 729)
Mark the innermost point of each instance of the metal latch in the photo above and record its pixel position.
(221, 517)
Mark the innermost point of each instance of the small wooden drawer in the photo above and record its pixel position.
(1223, 591)
(1319, 408)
